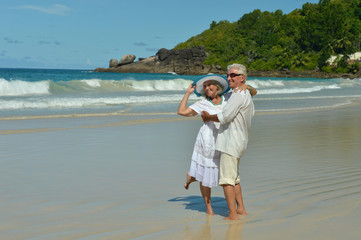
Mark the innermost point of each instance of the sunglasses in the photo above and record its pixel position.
(232, 75)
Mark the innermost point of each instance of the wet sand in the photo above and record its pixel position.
(121, 177)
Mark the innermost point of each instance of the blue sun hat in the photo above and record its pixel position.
(219, 78)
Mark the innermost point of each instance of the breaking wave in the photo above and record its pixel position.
(24, 88)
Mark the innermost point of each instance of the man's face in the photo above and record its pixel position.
(234, 79)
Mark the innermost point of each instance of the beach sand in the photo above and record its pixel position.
(122, 176)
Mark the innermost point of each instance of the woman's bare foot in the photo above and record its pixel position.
(210, 211)
(189, 181)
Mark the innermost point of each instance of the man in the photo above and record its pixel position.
(232, 139)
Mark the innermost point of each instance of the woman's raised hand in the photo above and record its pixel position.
(191, 88)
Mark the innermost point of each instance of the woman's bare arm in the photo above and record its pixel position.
(183, 110)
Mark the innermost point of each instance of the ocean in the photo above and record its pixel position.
(38, 92)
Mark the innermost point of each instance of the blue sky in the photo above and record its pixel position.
(85, 34)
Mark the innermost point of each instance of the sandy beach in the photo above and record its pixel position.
(121, 177)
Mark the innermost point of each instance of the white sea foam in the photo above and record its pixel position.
(350, 83)
(298, 89)
(157, 85)
(121, 85)
(101, 93)
(24, 88)
(266, 83)
(305, 98)
(20, 88)
(308, 108)
(66, 102)
(92, 82)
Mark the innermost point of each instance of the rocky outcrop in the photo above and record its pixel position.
(185, 61)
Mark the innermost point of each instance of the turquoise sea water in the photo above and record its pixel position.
(48, 92)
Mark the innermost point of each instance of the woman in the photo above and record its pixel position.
(205, 160)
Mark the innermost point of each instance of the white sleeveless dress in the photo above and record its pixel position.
(205, 160)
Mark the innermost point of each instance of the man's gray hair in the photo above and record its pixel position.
(241, 69)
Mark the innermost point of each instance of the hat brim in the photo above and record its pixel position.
(199, 83)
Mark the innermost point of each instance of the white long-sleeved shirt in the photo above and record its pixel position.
(235, 120)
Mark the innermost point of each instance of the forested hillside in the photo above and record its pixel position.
(301, 40)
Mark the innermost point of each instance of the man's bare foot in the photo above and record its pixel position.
(189, 181)
(242, 212)
(231, 217)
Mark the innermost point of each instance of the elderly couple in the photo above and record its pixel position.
(223, 138)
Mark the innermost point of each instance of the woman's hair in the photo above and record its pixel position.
(241, 69)
(219, 86)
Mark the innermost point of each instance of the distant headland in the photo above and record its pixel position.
(189, 61)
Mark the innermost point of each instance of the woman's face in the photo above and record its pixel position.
(210, 89)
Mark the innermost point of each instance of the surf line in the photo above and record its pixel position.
(80, 115)
(160, 120)
(114, 124)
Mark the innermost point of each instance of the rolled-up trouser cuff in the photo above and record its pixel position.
(228, 170)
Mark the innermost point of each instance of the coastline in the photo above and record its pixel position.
(216, 70)
(189, 61)
(302, 74)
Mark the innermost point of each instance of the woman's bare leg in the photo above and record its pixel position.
(189, 181)
(206, 194)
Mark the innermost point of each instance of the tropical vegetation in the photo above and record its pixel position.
(303, 39)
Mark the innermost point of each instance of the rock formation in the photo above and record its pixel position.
(185, 61)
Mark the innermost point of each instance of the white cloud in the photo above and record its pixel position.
(89, 63)
(9, 40)
(141, 44)
(152, 49)
(55, 9)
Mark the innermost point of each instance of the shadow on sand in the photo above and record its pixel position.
(196, 203)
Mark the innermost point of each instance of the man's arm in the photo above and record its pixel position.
(236, 102)
(209, 118)
(229, 112)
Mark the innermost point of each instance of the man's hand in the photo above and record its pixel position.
(241, 88)
(205, 116)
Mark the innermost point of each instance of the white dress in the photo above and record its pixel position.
(205, 160)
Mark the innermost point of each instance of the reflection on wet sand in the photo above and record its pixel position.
(213, 229)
